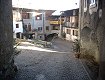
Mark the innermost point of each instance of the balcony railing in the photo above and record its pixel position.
(56, 22)
(68, 24)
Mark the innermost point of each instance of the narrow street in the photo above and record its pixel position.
(49, 64)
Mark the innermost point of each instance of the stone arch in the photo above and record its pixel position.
(50, 36)
(85, 34)
(53, 34)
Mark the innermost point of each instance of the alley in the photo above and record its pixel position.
(49, 64)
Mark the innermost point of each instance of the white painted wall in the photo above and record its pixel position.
(16, 15)
(70, 36)
(17, 30)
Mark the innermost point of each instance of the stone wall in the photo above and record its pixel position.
(92, 32)
(101, 32)
(89, 24)
(6, 38)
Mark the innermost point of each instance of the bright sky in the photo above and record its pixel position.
(59, 5)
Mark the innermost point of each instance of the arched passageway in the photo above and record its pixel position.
(51, 36)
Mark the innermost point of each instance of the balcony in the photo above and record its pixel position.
(56, 22)
(71, 25)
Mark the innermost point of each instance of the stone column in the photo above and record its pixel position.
(61, 29)
(6, 38)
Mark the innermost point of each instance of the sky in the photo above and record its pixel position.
(59, 5)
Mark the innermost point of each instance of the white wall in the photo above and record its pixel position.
(70, 36)
(27, 21)
(20, 29)
(16, 15)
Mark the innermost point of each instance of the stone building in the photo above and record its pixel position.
(35, 22)
(70, 26)
(6, 39)
(17, 23)
(92, 31)
(89, 27)
(54, 24)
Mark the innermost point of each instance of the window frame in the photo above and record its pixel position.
(40, 29)
(39, 17)
(17, 25)
(68, 31)
(55, 28)
(73, 32)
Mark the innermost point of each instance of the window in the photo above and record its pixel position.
(74, 12)
(92, 2)
(72, 25)
(40, 37)
(17, 25)
(26, 15)
(85, 5)
(39, 28)
(68, 19)
(76, 34)
(39, 17)
(68, 31)
(25, 26)
(47, 27)
(55, 28)
(73, 32)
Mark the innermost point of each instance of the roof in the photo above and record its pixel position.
(70, 12)
(48, 12)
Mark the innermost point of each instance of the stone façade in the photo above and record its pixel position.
(89, 25)
(6, 39)
(92, 32)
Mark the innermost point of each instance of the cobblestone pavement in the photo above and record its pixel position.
(45, 64)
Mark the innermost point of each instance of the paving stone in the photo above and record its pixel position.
(41, 65)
